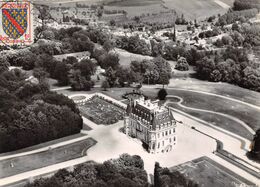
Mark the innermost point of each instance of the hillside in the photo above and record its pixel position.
(198, 9)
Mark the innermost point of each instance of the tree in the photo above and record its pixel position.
(163, 68)
(216, 76)
(164, 78)
(108, 45)
(44, 16)
(61, 73)
(79, 82)
(4, 64)
(124, 76)
(255, 147)
(25, 112)
(182, 64)
(111, 77)
(105, 85)
(137, 19)
(99, 13)
(86, 67)
(110, 60)
(40, 74)
(110, 173)
(235, 27)
(112, 22)
(162, 94)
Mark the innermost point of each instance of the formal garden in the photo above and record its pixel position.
(102, 111)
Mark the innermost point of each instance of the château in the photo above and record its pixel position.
(153, 124)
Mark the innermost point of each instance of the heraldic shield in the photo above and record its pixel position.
(14, 22)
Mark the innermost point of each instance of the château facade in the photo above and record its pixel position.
(154, 125)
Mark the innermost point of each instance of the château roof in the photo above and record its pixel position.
(150, 111)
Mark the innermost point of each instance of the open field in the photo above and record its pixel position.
(78, 55)
(125, 58)
(195, 9)
(34, 161)
(132, 2)
(101, 112)
(207, 172)
(198, 9)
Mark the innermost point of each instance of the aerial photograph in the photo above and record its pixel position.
(130, 93)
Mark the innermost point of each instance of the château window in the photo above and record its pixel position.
(158, 145)
(162, 143)
(158, 135)
(166, 133)
(170, 131)
(162, 133)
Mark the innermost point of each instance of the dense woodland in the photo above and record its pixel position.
(232, 67)
(30, 114)
(125, 171)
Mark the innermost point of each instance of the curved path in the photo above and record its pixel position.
(206, 93)
(220, 96)
(212, 112)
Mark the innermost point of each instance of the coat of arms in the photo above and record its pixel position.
(16, 23)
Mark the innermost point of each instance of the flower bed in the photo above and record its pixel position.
(102, 111)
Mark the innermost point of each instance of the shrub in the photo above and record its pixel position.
(182, 64)
(162, 94)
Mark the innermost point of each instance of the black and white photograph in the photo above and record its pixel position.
(130, 93)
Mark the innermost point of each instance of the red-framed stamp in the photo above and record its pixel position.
(16, 27)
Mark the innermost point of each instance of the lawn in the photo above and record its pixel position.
(217, 120)
(101, 112)
(78, 55)
(207, 172)
(53, 156)
(249, 115)
(202, 101)
(45, 144)
(207, 102)
(219, 88)
(125, 57)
